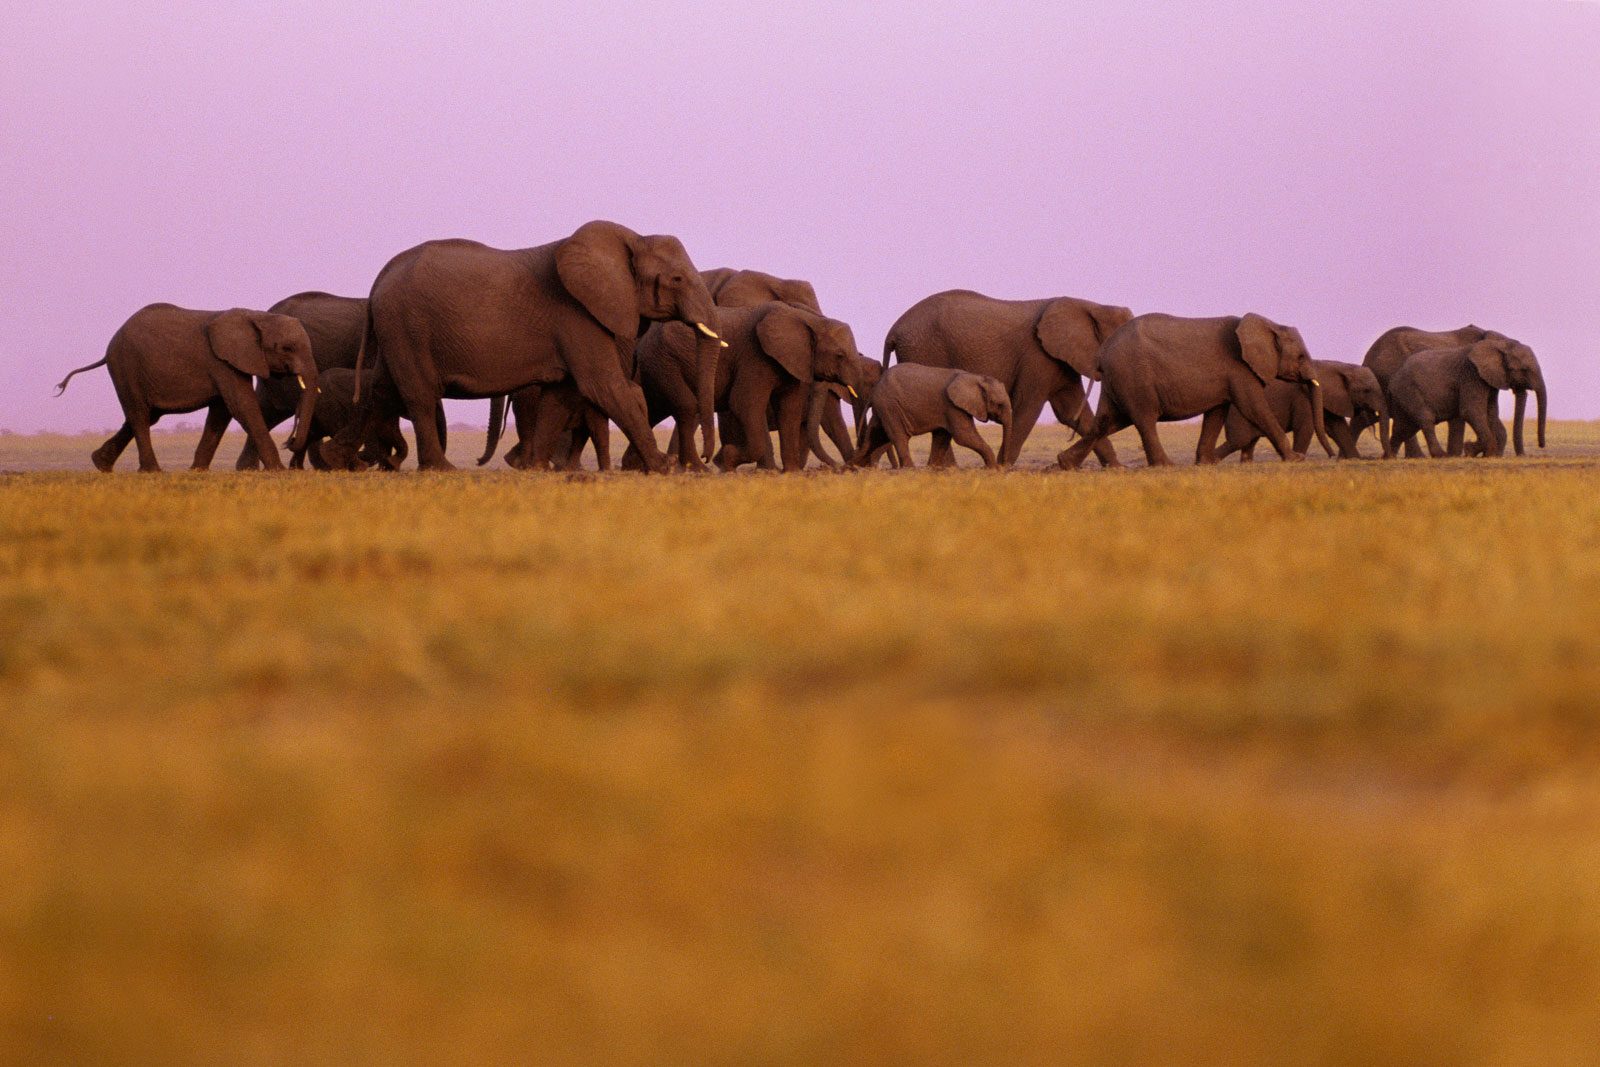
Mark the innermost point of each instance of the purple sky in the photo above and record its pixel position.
(1340, 167)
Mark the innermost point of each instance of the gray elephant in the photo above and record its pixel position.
(554, 425)
(1461, 385)
(1347, 391)
(1161, 368)
(776, 353)
(1391, 350)
(460, 319)
(167, 360)
(1041, 350)
(913, 399)
(335, 325)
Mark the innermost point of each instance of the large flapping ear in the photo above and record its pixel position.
(789, 336)
(1336, 399)
(595, 265)
(1258, 344)
(235, 338)
(1490, 360)
(966, 392)
(1070, 334)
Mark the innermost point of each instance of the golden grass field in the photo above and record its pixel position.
(1240, 766)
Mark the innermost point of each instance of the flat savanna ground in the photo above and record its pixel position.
(1240, 766)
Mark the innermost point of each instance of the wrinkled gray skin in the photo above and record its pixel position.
(167, 360)
(1161, 368)
(913, 399)
(776, 353)
(1041, 350)
(459, 319)
(1461, 386)
(1347, 390)
(1390, 351)
(385, 446)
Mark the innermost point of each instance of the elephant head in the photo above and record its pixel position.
(262, 345)
(811, 347)
(1071, 331)
(1349, 391)
(1504, 363)
(746, 288)
(626, 280)
(1274, 351)
(985, 399)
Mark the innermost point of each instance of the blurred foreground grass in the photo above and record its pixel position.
(1237, 766)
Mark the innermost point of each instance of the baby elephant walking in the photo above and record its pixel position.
(912, 399)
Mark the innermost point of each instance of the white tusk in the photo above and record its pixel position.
(301, 380)
(721, 342)
(853, 392)
(708, 331)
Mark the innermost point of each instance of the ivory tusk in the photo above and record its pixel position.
(721, 342)
(853, 392)
(301, 380)
(708, 331)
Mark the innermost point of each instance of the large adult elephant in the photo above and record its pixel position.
(1161, 368)
(457, 318)
(1391, 350)
(1461, 386)
(1042, 350)
(167, 360)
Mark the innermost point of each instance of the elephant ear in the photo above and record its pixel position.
(1336, 399)
(235, 338)
(966, 392)
(1490, 362)
(595, 265)
(789, 336)
(1070, 333)
(1258, 344)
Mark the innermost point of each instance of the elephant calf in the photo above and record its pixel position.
(167, 360)
(385, 445)
(1348, 391)
(911, 399)
(1461, 385)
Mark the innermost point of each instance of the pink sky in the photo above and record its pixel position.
(1339, 167)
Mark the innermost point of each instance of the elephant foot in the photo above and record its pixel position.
(1067, 461)
(439, 464)
(154, 468)
(101, 463)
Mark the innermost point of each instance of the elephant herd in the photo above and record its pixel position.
(606, 327)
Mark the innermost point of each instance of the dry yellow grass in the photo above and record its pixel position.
(1235, 766)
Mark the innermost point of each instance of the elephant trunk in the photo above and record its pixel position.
(1317, 419)
(1518, 413)
(708, 352)
(820, 396)
(1005, 431)
(1538, 392)
(497, 422)
(306, 371)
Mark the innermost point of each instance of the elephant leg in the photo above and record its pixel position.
(1432, 436)
(602, 383)
(417, 391)
(105, 457)
(141, 437)
(1205, 452)
(967, 435)
(1071, 409)
(1477, 415)
(680, 401)
(241, 403)
(1155, 455)
(1251, 400)
(1456, 439)
(901, 443)
(1342, 435)
(793, 448)
(1110, 420)
(1247, 454)
(749, 409)
(942, 445)
(834, 425)
(1230, 445)
(217, 419)
(1026, 407)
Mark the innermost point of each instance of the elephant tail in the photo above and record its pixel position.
(890, 344)
(361, 353)
(61, 386)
